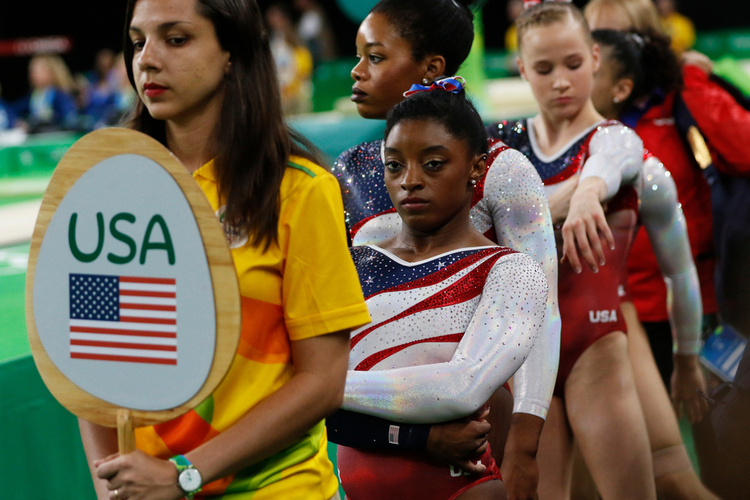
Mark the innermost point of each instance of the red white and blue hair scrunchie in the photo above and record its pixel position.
(453, 84)
(530, 3)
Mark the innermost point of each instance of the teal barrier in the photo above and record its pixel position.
(37, 155)
(717, 44)
(334, 134)
(41, 455)
(13, 339)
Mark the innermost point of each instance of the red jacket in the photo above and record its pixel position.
(724, 123)
(660, 136)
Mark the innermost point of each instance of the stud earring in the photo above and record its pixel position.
(473, 183)
(425, 81)
(616, 99)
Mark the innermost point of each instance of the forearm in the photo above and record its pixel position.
(519, 468)
(271, 426)
(523, 436)
(282, 418)
(685, 311)
(98, 443)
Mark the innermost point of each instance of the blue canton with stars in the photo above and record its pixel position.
(94, 297)
(516, 135)
(378, 272)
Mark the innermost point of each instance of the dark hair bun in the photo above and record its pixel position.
(452, 109)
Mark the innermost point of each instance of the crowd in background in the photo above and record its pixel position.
(58, 100)
(301, 39)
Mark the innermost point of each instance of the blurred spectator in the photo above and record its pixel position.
(679, 28)
(513, 10)
(104, 61)
(50, 105)
(315, 31)
(623, 15)
(293, 61)
(99, 96)
(7, 117)
(123, 91)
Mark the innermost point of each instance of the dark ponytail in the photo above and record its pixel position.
(442, 27)
(643, 56)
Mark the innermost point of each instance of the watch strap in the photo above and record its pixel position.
(182, 464)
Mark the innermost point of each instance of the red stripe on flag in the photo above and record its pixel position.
(130, 359)
(148, 307)
(123, 345)
(153, 321)
(153, 281)
(115, 331)
(141, 293)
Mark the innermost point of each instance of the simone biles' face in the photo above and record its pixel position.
(428, 174)
(178, 63)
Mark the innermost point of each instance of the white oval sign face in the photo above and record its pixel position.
(123, 300)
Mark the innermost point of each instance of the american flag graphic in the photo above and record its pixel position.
(123, 318)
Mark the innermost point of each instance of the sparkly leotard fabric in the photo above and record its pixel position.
(662, 218)
(509, 207)
(589, 302)
(446, 333)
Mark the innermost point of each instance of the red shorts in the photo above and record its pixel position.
(384, 475)
(590, 302)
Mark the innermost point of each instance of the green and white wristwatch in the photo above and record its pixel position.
(188, 477)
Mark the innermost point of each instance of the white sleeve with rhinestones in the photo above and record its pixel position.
(515, 204)
(665, 224)
(615, 155)
(499, 337)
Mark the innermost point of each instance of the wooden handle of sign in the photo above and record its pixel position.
(125, 432)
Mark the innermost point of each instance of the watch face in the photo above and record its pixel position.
(190, 480)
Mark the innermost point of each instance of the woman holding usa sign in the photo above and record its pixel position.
(196, 66)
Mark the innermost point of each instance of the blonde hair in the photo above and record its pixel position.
(641, 14)
(60, 72)
(547, 13)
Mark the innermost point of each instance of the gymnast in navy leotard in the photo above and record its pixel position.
(454, 316)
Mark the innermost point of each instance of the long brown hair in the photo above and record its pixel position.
(253, 143)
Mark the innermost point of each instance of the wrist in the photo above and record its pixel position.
(523, 436)
(594, 187)
(685, 362)
(188, 480)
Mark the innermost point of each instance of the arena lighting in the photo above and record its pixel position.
(19, 47)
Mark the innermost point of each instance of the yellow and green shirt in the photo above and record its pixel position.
(303, 286)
